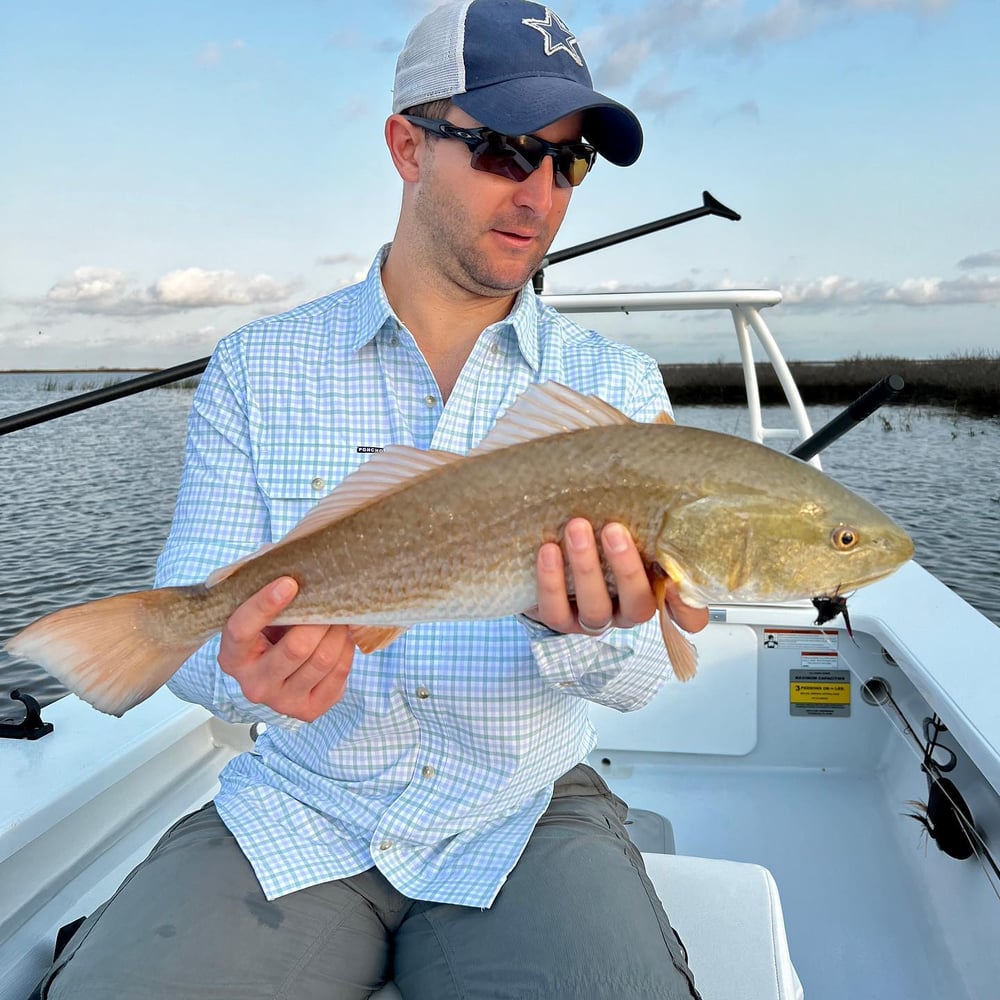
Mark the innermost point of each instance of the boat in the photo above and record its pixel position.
(819, 809)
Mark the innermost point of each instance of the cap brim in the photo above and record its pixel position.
(527, 104)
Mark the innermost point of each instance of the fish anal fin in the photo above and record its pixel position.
(683, 655)
(372, 638)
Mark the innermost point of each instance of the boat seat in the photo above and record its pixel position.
(728, 915)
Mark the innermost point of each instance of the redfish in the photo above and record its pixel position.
(416, 536)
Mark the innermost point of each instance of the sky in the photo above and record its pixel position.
(169, 172)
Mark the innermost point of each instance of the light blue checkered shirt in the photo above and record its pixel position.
(440, 758)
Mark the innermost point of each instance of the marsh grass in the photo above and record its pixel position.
(52, 384)
(967, 382)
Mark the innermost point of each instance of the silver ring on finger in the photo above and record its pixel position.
(592, 630)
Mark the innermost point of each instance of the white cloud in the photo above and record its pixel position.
(107, 290)
(210, 54)
(89, 289)
(213, 54)
(831, 292)
(835, 290)
(988, 258)
(623, 46)
(335, 259)
(194, 288)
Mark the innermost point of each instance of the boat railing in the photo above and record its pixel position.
(744, 305)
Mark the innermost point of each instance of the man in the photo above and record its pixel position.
(420, 813)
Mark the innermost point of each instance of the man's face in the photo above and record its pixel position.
(488, 234)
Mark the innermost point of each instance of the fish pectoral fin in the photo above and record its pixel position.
(372, 638)
(683, 655)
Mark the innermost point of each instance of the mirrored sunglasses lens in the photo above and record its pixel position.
(573, 167)
(514, 157)
(517, 157)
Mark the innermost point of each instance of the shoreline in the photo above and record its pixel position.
(968, 383)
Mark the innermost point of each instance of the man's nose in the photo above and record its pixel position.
(535, 191)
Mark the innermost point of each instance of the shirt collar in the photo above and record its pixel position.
(374, 312)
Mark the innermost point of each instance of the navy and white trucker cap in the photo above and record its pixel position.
(515, 67)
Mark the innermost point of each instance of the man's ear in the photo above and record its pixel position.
(407, 144)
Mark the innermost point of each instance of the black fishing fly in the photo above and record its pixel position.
(827, 608)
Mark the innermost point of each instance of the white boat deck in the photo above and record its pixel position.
(858, 924)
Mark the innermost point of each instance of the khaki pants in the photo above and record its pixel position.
(576, 920)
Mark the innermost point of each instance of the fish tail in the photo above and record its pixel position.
(113, 653)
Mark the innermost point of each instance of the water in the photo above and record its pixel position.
(87, 499)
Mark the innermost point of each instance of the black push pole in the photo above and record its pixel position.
(709, 206)
(864, 406)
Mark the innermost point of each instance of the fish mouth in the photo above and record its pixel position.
(857, 583)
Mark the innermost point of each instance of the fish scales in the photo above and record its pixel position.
(462, 541)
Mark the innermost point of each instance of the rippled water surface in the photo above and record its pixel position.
(87, 499)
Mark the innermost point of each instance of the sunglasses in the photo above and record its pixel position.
(516, 157)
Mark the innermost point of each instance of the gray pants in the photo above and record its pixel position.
(576, 920)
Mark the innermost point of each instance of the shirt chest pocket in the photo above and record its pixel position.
(293, 484)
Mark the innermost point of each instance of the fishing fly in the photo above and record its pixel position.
(827, 608)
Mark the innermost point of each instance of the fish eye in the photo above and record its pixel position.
(843, 538)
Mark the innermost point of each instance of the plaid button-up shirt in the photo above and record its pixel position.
(440, 757)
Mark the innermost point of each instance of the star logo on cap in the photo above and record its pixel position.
(558, 38)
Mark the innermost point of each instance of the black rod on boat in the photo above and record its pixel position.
(709, 206)
(864, 406)
(84, 400)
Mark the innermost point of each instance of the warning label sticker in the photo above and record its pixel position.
(817, 690)
(800, 638)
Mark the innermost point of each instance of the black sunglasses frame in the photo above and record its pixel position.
(516, 159)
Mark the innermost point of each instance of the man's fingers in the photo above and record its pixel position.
(690, 619)
(594, 607)
(636, 601)
(242, 633)
(554, 608)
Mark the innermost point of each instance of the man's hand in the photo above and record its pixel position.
(592, 610)
(298, 670)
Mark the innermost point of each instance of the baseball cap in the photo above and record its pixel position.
(514, 66)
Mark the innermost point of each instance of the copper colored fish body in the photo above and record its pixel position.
(417, 536)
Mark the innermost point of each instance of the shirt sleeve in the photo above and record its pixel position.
(624, 668)
(220, 516)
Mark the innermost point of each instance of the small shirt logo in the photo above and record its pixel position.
(369, 449)
(558, 38)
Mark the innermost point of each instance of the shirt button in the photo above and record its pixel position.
(430, 400)
(385, 845)
(423, 693)
(495, 349)
(427, 771)
(319, 483)
(394, 341)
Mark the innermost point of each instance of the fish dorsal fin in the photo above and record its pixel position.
(548, 408)
(385, 473)
(664, 418)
